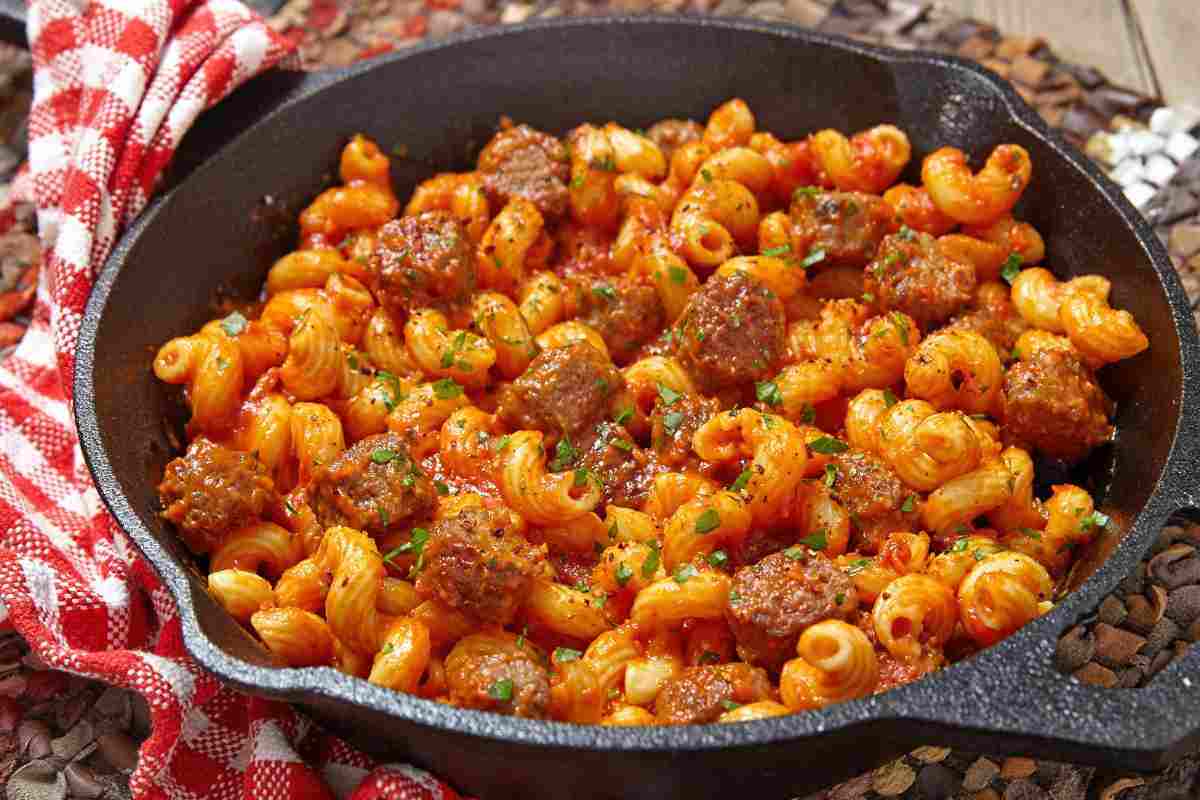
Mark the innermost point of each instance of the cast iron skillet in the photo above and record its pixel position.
(248, 169)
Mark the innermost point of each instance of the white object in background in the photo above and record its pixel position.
(1169, 120)
(1145, 143)
(1118, 144)
(1160, 169)
(1128, 172)
(1181, 146)
(1140, 194)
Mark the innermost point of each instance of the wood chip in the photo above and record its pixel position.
(982, 772)
(1029, 71)
(985, 794)
(1097, 675)
(1017, 768)
(1116, 647)
(118, 749)
(930, 755)
(37, 780)
(1115, 788)
(894, 779)
(1012, 46)
(977, 47)
(71, 744)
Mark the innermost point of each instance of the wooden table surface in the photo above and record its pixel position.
(1149, 45)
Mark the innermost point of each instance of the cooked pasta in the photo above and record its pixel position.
(625, 428)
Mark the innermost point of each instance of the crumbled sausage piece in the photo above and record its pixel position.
(731, 332)
(489, 673)
(422, 261)
(624, 313)
(701, 694)
(625, 471)
(874, 496)
(372, 486)
(911, 274)
(564, 391)
(773, 601)
(523, 162)
(1051, 402)
(477, 563)
(846, 226)
(212, 490)
(674, 425)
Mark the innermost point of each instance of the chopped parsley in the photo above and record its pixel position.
(605, 292)
(581, 478)
(668, 395)
(806, 191)
(624, 573)
(564, 455)
(684, 572)
(564, 654)
(447, 389)
(709, 657)
(1094, 520)
(1031, 533)
(735, 596)
(621, 444)
(709, 521)
(623, 416)
(796, 553)
(868, 297)
(889, 399)
(742, 479)
(827, 445)
(960, 546)
(678, 275)
(718, 558)
(1012, 266)
(831, 475)
(901, 323)
(672, 421)
(908, 504)
(234, 324)
(441, 488)
(415, 545)
(815, 257)
(382, 455)
(839, 598)
(768, 392)
(777, 252)
(501, 690)
(577, 181)
(502, 442)
(704, 173)
(729, 705)
(816, 541)
(858, 565)
(650, 565)
(906, 233)
(808, 414)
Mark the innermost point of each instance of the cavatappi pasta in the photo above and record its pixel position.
(637, 428)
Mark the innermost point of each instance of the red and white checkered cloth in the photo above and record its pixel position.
(116, 85)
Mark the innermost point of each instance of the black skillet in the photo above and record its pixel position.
(247, 169)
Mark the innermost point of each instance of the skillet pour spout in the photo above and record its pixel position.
(442, 101)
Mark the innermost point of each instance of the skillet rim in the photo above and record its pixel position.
(923, 702)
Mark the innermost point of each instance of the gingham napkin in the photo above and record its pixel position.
(116, 85)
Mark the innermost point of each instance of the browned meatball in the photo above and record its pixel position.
(625, 471)
(422, 261)
(671, 134)
(212, 490)
(994, 317)
(1051, 402)
(873, 494)
(673, 425)
(564, 390)
(732, 332)
(847, 226)
(492, 673)
(910, 274)
(773, 601)
(625, 314)
(373, 486)
(701, 694)
(476, 563)
(523, 162)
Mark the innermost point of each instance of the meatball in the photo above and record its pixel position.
(847, 226)
(493, 673)
(773, 601)
(624, 470)
(373, 486)
(994, 317)
(1052, 403)
(910, 274)
(625, 314)
(476, 563)
(731, 332)
(701, 694)
(873, 494)
(422, 261)
(674, 425)
(671, 134)
(564, 391)
(212, 490)
(523, 162)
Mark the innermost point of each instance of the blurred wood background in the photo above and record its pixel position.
(1149, 45)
